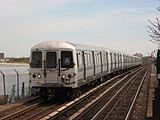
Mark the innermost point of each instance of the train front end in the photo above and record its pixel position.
(52, 68)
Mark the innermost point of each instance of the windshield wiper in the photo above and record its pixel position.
(65, 69)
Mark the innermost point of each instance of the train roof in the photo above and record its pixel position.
(52, 44)
(62, 44)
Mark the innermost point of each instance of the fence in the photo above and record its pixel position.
(14, 84)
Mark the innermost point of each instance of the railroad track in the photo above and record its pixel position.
(69, 110)
(130, 111)
(21, 112)
(108, 106)
(51, 109)
(38, 111)
(21, 105)
(121, 108)
(79, 107)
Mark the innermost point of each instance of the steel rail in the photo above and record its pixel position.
(45, 112)
(22, 111)
(137, 93)
(97, 116)
(117, 102)
(71, 104)
(90, 105)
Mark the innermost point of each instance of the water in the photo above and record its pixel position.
(10, 73)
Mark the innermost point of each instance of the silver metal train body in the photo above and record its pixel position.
(68, 65)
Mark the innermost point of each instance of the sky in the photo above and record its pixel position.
(115, 24)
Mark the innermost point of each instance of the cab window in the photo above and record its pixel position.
(66, 59)
(36, 59)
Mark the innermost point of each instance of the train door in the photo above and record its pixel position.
(120, 61)
(107, 61)
(84, 66)
(80, 65)
(51, 67)
(111, 62)
(115, 61)
(94, 68)
(101, 62)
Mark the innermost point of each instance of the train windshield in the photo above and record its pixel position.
(36, 61)
(66, 59)
(51, 60)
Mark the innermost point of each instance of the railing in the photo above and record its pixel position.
(14, 85)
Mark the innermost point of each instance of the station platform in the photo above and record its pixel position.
(151, 93)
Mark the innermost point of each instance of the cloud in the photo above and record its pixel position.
(36, 19)
(22, 7)
(112, 20)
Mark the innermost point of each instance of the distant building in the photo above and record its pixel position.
(138, 54)
(1, 55)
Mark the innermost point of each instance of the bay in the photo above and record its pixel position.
(11, 74)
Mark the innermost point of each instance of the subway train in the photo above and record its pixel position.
(62, 68)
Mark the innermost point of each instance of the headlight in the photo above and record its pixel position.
(63, 76)
(34, 75)
(69, 75)
(38, 75)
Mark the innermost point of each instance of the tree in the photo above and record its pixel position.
(154, 30)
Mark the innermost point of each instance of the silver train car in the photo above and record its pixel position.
(61, 68)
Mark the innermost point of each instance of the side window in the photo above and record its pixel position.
(125, 59)
(103, 59)
(80, 60)
(99, 58)
(87, 59)
(90, 61)
(113, 60)
(96, 59)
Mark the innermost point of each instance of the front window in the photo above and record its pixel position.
(36, 60)
(51, 60)
(66, 59)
